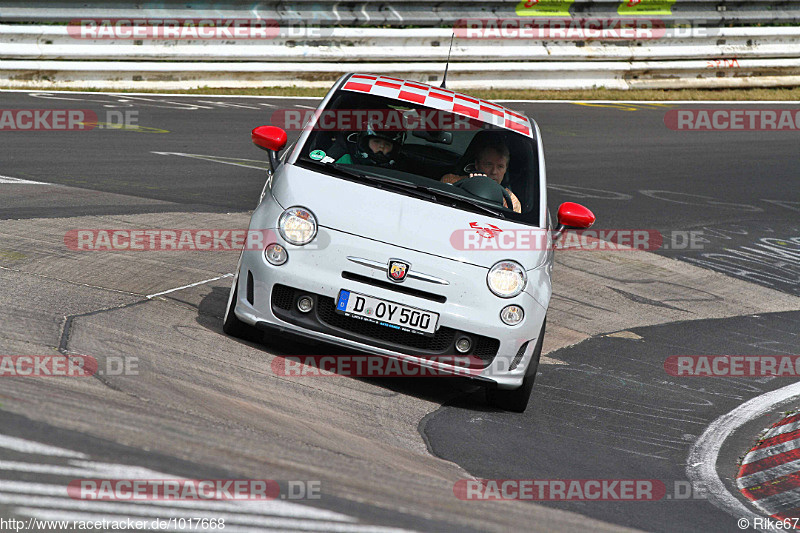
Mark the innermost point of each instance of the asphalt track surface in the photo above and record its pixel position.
(605, 408)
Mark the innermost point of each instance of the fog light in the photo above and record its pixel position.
(463, 345)
(512, 315)
(305, 304)
(276, 254)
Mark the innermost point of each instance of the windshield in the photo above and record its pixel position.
(434, 155)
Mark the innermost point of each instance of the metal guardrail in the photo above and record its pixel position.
(427, 44)
(468, 75)
(37, 55)
(425, 13)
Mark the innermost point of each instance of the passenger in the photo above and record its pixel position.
(375, 145)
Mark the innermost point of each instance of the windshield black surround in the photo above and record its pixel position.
(424, 156)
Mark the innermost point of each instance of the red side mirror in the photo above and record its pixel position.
(574, 215)
(269, 137)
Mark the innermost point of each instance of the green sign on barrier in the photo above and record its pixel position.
(544, 8)
(646, 7)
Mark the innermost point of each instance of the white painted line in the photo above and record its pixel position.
(769, 451)
(147, 508)
(237, 106)
(697, 102)
(27, 446)
(121, 471)
(55, 470)
(701, 463)
(112, 93)
(189, 286)
(769, 474)
(305, 106)
(17, 181)
(28, 487)
(214, 159)
(86, 469)
(303, 525)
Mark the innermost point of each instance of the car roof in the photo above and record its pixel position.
(437, 98)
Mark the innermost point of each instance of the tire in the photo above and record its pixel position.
(231, 324)
(516, 400)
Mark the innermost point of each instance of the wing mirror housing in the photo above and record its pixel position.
(269, 138)
(272, 139)
(573, 216)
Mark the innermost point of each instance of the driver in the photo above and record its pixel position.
(492, 160)
(375, 145)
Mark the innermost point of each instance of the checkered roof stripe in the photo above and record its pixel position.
(419, 93)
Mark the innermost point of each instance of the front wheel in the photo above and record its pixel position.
(516, 400)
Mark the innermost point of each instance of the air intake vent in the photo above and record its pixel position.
(250, 297)
(518, 357)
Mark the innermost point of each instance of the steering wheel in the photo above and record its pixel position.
(486, 188)
(507, 197)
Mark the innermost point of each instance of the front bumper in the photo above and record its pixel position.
(267, 295)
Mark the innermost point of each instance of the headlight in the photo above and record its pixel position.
(298, 226)
(506, 279)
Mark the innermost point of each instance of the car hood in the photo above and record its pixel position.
(408, 222)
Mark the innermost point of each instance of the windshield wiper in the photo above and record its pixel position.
(349, 172)
(380, 179)
(397, 184)
(421, 190)
(460, 198)
(342, 169)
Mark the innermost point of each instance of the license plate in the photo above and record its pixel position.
(389, 314)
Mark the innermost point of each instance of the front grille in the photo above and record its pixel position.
(327, 320)
(485, 347)
(282, 297)
(394, 287)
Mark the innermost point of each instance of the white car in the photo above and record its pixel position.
(421, 205)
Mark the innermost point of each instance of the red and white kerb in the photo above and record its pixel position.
(443, 99)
